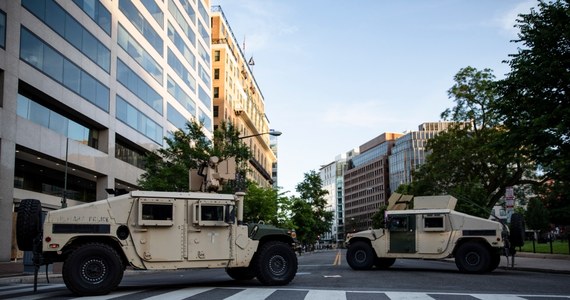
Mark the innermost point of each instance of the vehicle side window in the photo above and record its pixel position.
(212, 213)
(156, 212)
(434, 223)
(399, 223)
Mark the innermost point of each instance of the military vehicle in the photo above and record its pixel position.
(147, 230)
(434, 230)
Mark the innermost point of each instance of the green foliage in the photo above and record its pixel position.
(260, 204)
(378, 217)
(166, 169)
(535, 102)
(310, 216)
(536, 216)
(470, 160)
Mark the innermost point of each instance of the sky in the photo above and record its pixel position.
(336, 74)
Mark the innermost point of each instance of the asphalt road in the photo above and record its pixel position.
(323, 275)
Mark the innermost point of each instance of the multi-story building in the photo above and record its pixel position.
(87, 88)
(409, 152)
(238, 98)
(366, 185)
(332, 176)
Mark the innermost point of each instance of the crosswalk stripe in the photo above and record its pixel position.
(407, 296)
(180, 294)
(30, 288)
(109, 296)
(47, 295)
(326, 295)
(252, 294)
(496, 297)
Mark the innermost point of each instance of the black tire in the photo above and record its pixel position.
(360, 256)
(92, 269)
(495, 262)
(384, 263)
(275, 263)
(241, 273)
(517, 228)
(28, 223)
(473, 257)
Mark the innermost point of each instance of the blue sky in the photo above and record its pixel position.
(335, 74)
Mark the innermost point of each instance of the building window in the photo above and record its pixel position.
(2, 29)
(179, 95)
(216, 111)
(181, 46)
(204, 54)
(217, 55)
(139, 54)
(41, 56)
(132, 117)
(204, 75)
(45, 117)
(216, 73)
(176, 118)
(175, 12)
(204, 97)
(142, 25)
(205, 120)
(71, 30)
(129, 153)
(97, 12)
(216, 92)
(181, 70)
(138, 86)
(154, 11)
(191, 13)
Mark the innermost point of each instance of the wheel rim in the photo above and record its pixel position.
(278, 265)
(472, 258)
(360, 256)
(94, 271)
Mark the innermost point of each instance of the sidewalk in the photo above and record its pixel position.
(13, 272)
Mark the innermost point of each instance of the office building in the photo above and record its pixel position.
(332, 176)
(409, 152)
(87, 87)
(238, 98)
(366, 185)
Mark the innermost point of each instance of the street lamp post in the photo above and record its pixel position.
(239, 177)
(272, 132)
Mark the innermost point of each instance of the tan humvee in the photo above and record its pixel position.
(155, 231)
(431, 230)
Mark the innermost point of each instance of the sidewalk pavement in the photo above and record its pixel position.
(13, 272)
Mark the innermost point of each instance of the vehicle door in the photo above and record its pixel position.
(402, 230)
(209, 235)
(159, 229)
(434, 233)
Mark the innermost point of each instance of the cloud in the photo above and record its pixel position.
(507, 20)
(261, 24)
(369, 114)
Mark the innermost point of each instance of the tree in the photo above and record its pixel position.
(310, 215)
(378, 217)
(260, 204)
(536, 216)
(470, 160)
(535, 103)
(166, 169)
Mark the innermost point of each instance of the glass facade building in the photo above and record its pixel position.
(409, 152)
(94, 85)
(366, 184)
